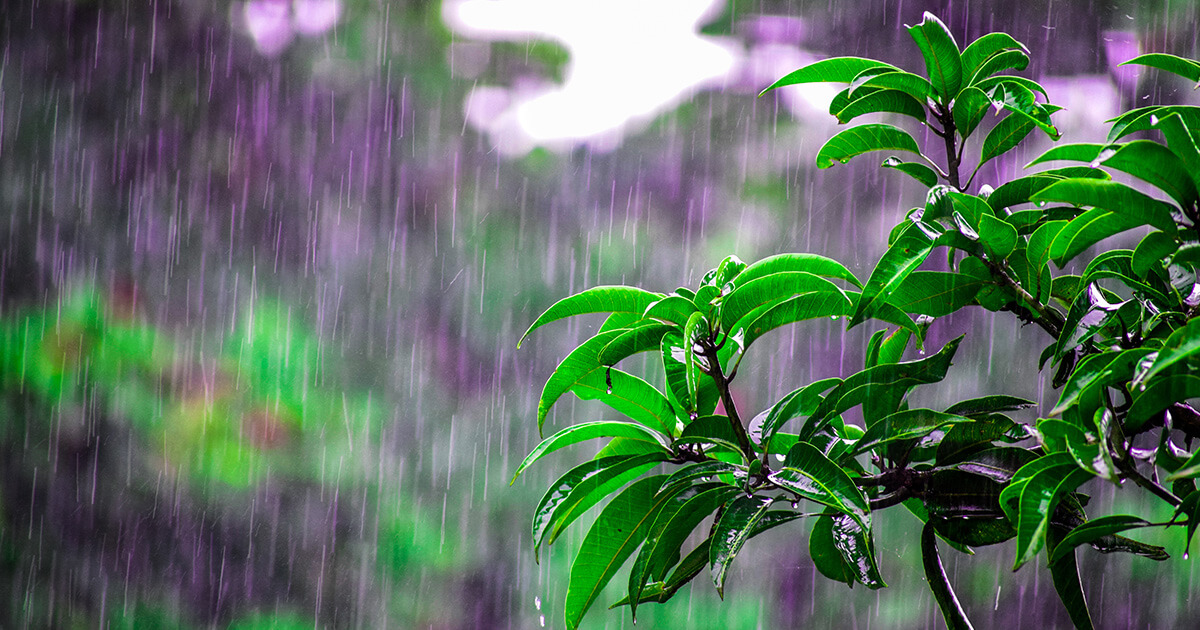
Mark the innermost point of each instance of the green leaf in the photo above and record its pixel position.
(1153, 163)
(1160, 394)
(969, 109)
(1070, 152)
(898, 262)
(630, 341)
(1065, 575)
(904, 425)
(942, 60)
(674, 309)
(935, 293)
(916, 170)
(1182, 344)
(961, 439)
(984, 48)
(1114, 197)
(939, 584)
(832, 70)
(1020, 190)
(1086, 230)
(1038, 497)
(766, 290)
(1185, 68)
(1094, 530)
(1182, 143)
(805, 306)
(857, 548)
(998, 403)
(1007, 133)
(1097, 372)
(1002, 60)
(664, 545)
(811, 263)
(577, 365)
(697, 327)
(629, 395)
(1021, 101)
(991, 82)
(879, 101)
(1191, 507)
(911, 84)
(582, 487)
(997, 235)
(731, 533)
(715, 430)
(824, 553)
(862, 139)
(603, 299)
(877, 381)
(588, 431)
(1153, 248)
(808, 473)
(619, 529)
(675, 368)
(800, 402)
(1144, 118)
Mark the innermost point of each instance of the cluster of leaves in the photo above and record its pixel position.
(1122, 340)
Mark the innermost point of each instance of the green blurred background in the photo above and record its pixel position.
(263, 266)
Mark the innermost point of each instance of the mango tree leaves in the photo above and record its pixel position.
(1036, 489)
(1112, 196)
(811, 305)
(900, 260)
(985, 47)
(619, 529)
(810, 263)
(862, 139)
(935, 293)
(731, 532)
(942, 60)
(842, 550)
(767, 290)
(578, 364)
(832, 70)
(800, 402)
(1185, 68)
(1182, 344)
(916, 170)
(904, 425)
(604, 299)
(1006, 135)
(808, 473)
(587, 431)
(877, 101)
(629, 395)
(1098, 529)
(1065, 575)
(913, 85)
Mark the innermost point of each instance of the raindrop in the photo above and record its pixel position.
(537, 602)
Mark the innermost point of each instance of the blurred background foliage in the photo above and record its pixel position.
(259, 301)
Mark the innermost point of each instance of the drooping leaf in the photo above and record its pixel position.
(1097, 372)
(963, 439)
(1144, 118)
(714, 430)
(879, 101)
(1185, 68)
(1020, 190)
(905, 425)
(697, 326)
(935, 293)
(824, 553)
(1001, 60)
(1039, 495)
(991, 82)
(1007, 133)
(943, 593)
(997, 403)
(603, 299)
(578, 364)
(832, 70)
(857, 548)
(1114, 197)
(1153, 163)
(1077, 152)
(583, 486)
(862, 139)
(629, 395)
(1065, 575)
(675, 367)
(619, 529)
(1094, 530)
(1183, 344)
(916, 170)
(588, 431)
(736, 526)
(800, 402)
(898, 262)
(1153, 248)
(969, 108)
(942, 60)
(808, 473)
(1182, 142)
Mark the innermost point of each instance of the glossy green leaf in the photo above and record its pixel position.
(905, 425)
(857, 548)
(582, 487)
(630, 341)
(916, 170)
(961, 439)
(878, 380)
(1086, 230)
(604, 299)
(629, 395)
(798, 403)
(1021, 101)
(1144, 118)
(1080, 152)
(1186, 68)
(713, 430)
(997, 403)
(1020, 190)
(879, 101)
(766, 290)
(695, 470)
(997, 235)
(1001, 60)
(934, 293)
(1097, 372)
(969, 109)
(1153, 163)
(824, 553)
(577, 365)
(810, 263)
(808, 473)
(911, 84)
(1096, 529)
(1191, 507)
(983, 48)
(696, 327)
(832, 70)
(674, 309)
(589, 431)
(731, 533)
(1038, 497)
(1007, 133)
(1182, 142)
(898, 262)
(675, 368)
(862, 139)
(1065, 575)
(1160, 394)
(991, 82)
(939, 584)
(1153, 248)
(942, 60)
(1183, 344)
(619, 529)
(805, 306)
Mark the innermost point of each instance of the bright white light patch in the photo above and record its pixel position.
(629, 60)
